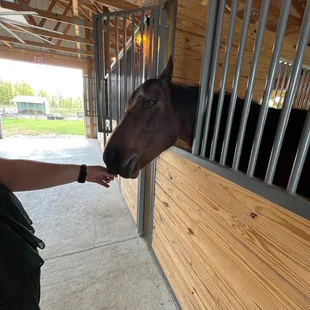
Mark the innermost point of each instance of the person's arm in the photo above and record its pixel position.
(26, 175)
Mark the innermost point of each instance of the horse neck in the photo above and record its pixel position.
(184, 100)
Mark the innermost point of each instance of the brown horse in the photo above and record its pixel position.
(159, 112)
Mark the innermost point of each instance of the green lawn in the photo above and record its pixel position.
(35, 127)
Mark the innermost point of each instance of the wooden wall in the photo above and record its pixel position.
(191, 23)
(129, 189)
(223, 247)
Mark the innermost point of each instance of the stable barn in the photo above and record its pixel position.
(31, 105)
(223, 238)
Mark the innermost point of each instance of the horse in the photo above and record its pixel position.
(160, 112)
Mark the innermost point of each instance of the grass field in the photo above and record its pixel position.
(35, 127)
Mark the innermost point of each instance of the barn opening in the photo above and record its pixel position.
(37, 99)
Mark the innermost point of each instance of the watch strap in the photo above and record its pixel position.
(83, 174)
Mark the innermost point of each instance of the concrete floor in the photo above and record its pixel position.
(94, 258)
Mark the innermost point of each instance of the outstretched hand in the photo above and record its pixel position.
(99, 175)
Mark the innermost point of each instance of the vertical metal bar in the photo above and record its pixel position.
(150, 67)
(285, 10)
(204, 76)
(300, 158)
(133, 52)
(142, 49)
(249, 91)
(233, 14)
(307, 90)
(210, 87)
(289, 96)
(117, 72)
(152, 200)
(175, 12)
(140, 202)
(162, 37)
(245, 26)
(109, 81)
(97, 31)
(282, 85)
(156, 26)
(125, 63)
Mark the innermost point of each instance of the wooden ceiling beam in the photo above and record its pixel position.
(50, 34)
(66, 11)
(29, 18)
(66, 30)
(120, 4)
(22, 54)
(75, 9)
(47, 46)
(49, 9)
(47, 15)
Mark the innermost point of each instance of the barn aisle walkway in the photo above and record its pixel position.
(94, 258)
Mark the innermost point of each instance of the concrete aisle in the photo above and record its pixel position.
(94, 258)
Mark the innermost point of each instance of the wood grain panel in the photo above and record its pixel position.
(190, 32)
(215, 255)
(129, 189)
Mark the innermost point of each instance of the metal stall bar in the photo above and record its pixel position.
(97, 25)
(204, 77)
(232, 104)
(162, 36)
(142, 76)
(109, 72)
(117, 73)
(282, 84)
(149, 67)
(285, 10)
(289, 96)
(249, 91)
(210, 87)
(124, 65)
(233, 14)
(156, 26)
(300, 157)
(133, 52)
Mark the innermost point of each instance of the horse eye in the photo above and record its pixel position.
(150, 103)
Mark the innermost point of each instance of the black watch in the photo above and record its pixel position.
(83, 174)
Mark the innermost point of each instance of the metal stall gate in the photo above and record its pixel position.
(287, 86)
(90, 106)
(130, 47)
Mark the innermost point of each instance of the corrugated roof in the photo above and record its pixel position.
(29, 99)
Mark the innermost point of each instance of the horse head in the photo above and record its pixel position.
(148, 127)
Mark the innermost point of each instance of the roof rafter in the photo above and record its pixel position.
(47, 15)
(48, 46)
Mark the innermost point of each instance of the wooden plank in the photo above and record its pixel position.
(46, 33)
(48, 46)
(41, 57)
(130, 200)
(48, 15)
(120, 4)
(129, 189)
(275, 245)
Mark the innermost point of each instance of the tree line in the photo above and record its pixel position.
(9, 90)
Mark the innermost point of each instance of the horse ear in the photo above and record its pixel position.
(167, 73)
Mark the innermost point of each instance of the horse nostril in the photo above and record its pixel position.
(113, 158)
